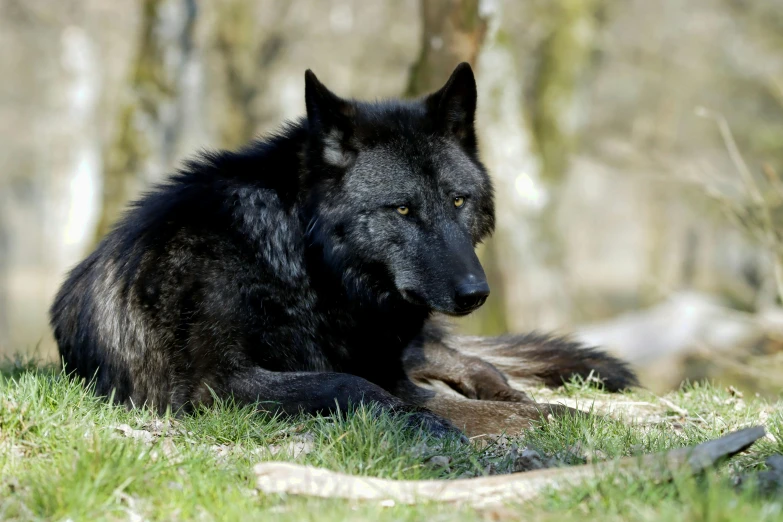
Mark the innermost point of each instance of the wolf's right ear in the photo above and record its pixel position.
(325, 110)
(453, 107)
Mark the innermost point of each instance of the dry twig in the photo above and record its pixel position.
(280, 477)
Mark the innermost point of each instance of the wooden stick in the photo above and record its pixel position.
(295, 479)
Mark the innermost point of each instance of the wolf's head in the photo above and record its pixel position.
(397, 196)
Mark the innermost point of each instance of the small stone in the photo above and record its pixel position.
(769, 482)
(440, 461)
(297, 446)
(734, 392)
(222, 451)
(529, 460)
(169, 449)
(673, 407)
(422, 449)
(12, 484)
(775, 463)
(577, 450)
(142, 435)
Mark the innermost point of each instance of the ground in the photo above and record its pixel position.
(65, 455)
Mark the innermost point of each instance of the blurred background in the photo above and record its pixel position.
(635, 147)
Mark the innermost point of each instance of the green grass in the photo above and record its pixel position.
(63, 457)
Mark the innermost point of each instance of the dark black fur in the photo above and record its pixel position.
(285, 272)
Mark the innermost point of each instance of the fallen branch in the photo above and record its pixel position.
(294, 479)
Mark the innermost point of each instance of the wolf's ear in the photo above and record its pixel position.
(332, 118)
(453, 107)
(325, 110)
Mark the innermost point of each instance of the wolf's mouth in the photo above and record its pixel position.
(417, 299)
(413, 297)
(459, 313)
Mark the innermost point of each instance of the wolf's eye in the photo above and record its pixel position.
(403, 210)
(459, 201)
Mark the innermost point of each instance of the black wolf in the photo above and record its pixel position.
(303, 272)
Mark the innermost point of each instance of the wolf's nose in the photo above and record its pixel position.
(471, 293)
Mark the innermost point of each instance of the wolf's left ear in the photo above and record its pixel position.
(453, 107)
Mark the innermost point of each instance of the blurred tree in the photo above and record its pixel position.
(453, 32)
(529, 98)
(4, 333)
(570, 28)
(242, 53)
(149, 122)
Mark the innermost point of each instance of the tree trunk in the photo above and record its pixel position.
(242, 53)
(563, 60)
(234, 41)
(527, 148)
(149, 122)
(453, 32)
(4, 276)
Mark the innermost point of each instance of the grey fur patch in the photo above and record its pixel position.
(335, 153)
(119, 324)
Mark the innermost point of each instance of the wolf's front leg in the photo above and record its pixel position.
(480, 417)
(471, 376)
(313, 393)
(478, 367)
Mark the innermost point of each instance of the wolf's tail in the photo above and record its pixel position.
(547, 359)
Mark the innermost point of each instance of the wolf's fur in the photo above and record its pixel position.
(286, 274)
